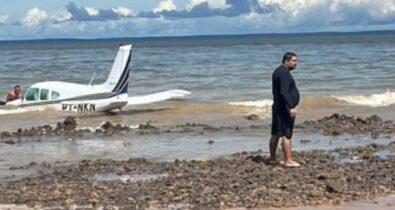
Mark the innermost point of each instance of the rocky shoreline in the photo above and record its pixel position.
(334, 125)
(338, 124)
(239, 180)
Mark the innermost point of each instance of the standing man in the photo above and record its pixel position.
(286, 97)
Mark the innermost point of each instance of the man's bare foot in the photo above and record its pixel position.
(275, 162)
(292, 164)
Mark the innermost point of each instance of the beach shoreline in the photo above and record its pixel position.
(238, 180)
(229, 180)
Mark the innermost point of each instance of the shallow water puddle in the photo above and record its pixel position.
(161, 147)
(344, 158)
(112, 177)
(385, 154)
(353, 159)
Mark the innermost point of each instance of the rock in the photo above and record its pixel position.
(334, 187)
(5, 134)
(316, 193)
(147, 126)
(32, 164)
(69, 124)
(322, 176)
(258, 190)
(256, 158)
(126, 168)
(374, 118)
(9, 141)
(210, 128)
(252, 117)
(338, 124)
(107, 125)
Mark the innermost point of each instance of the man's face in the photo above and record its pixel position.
(292, 63)
(17, 90)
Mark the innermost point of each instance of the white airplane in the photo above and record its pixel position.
(111, 95)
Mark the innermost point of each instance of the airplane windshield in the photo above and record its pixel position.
(32, 94)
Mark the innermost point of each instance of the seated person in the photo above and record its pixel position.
(15, 94)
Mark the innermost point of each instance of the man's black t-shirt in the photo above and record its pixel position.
(285, 92)
(286, 96)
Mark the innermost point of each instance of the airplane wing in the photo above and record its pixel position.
(156, 97)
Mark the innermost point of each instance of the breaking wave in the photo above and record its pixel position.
(375, 100)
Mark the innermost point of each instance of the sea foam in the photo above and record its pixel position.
(375, 100)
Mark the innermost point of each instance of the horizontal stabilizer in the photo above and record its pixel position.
(157, 97)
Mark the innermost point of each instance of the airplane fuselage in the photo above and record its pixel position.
(65, 96)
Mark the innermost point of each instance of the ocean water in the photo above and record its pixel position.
(350, 68)
(228, 76)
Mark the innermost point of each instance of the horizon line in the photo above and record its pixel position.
(202, 35)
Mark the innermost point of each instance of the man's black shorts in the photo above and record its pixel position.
(282, 122)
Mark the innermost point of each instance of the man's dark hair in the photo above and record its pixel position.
(288, 56)
(17, 86)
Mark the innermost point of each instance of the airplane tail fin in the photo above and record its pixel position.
(118, 79)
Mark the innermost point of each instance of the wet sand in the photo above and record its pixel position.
(180, 112)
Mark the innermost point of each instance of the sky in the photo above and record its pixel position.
(41, 19)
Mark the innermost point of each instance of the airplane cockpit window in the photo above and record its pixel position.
(32, 94)
(44, 94)
(55, 95)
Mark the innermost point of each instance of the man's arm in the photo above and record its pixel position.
(285, 81)
(9, 97)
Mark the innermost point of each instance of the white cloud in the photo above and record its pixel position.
(329, 13)
(388, 8)
(124, 11)
(204, 17)
(215, 4)
(92, 11)
(34, 17)
(291, 5)
(165, 5)
(4, 19)
(94, 14)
